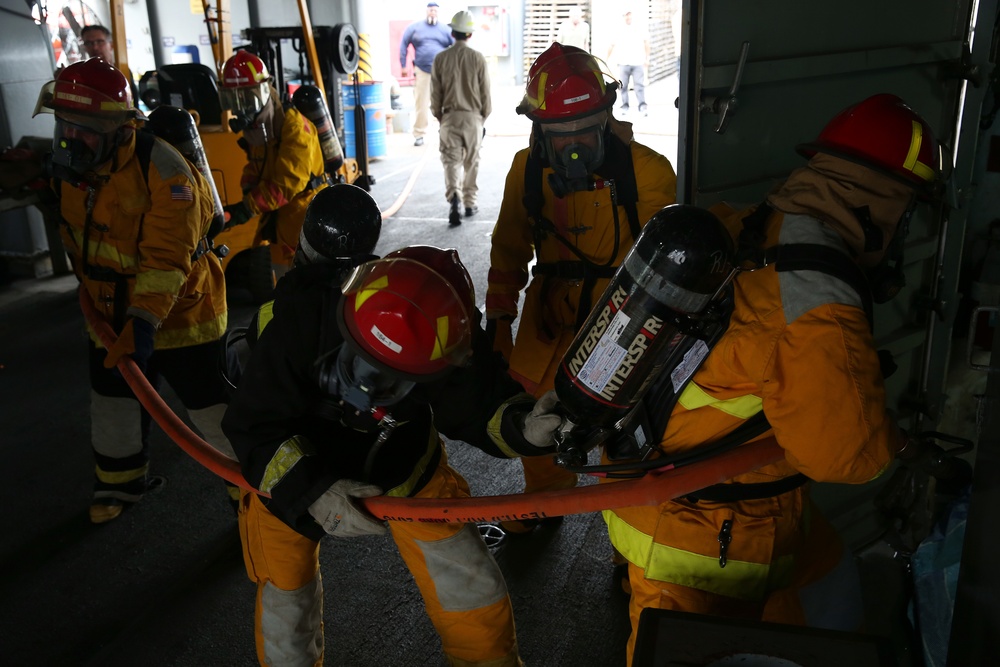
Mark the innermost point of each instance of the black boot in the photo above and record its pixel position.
(455, 216)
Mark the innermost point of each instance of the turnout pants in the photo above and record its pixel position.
(463, 589)
(815, 583)
(120, 428)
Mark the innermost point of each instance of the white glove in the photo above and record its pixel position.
(542, 422)
(340, 517)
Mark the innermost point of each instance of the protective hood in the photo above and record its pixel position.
(841, 193)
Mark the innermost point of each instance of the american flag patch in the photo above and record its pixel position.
(181, 193)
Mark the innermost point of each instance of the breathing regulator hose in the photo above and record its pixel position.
(651, 489)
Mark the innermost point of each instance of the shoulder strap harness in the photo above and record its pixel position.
(618, 175)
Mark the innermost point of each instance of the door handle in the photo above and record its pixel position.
(724, 107)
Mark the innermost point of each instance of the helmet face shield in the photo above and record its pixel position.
(575, 149)
(45, 96)
(246, 101)
(363, 385)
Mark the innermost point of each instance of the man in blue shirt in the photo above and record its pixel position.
(428, 38)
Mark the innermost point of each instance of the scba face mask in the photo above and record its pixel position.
(362, 385)
(574, 150)
(245, 103)
(82, 148)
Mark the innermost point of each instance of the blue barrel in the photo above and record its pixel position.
(375, 119)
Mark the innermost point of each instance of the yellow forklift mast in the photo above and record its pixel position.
(194, 87)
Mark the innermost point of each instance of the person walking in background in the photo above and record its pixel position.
(460, 100)
(574, 31)
(428, 39)
(630, 49)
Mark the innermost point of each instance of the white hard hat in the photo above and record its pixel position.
(462, 22)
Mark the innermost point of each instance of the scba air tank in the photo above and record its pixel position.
(652, 318)
(309, 101)
(177, 127)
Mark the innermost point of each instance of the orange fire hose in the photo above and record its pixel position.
(655, 487)
(652, 489)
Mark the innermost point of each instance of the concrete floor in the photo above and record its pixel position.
(164, 585)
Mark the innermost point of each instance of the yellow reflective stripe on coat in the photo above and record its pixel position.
(203, 332)
(158, 281)
(264, 315)
(738, 579)
(494, 427)
(102, 250)
(743, 407)
(406, 488)
(289, 453)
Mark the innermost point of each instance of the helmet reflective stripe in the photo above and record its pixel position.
(442, 336)
(912, 163)
(882, 133)
(370, 290)
(539, 101)
(70, 97)
(257, 76)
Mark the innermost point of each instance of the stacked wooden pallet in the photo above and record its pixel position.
(663, 52)
(541, 28)
(541, 24)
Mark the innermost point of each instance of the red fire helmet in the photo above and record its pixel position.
(566, 83)
(91, 88)
(246, 83)
(883, 133)
(409, 313)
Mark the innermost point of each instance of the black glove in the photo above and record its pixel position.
(135, 340)
(236, 214)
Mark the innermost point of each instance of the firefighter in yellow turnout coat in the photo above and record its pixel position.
(576, 199)
(799, 349)
(285, 166)
(134, 220)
